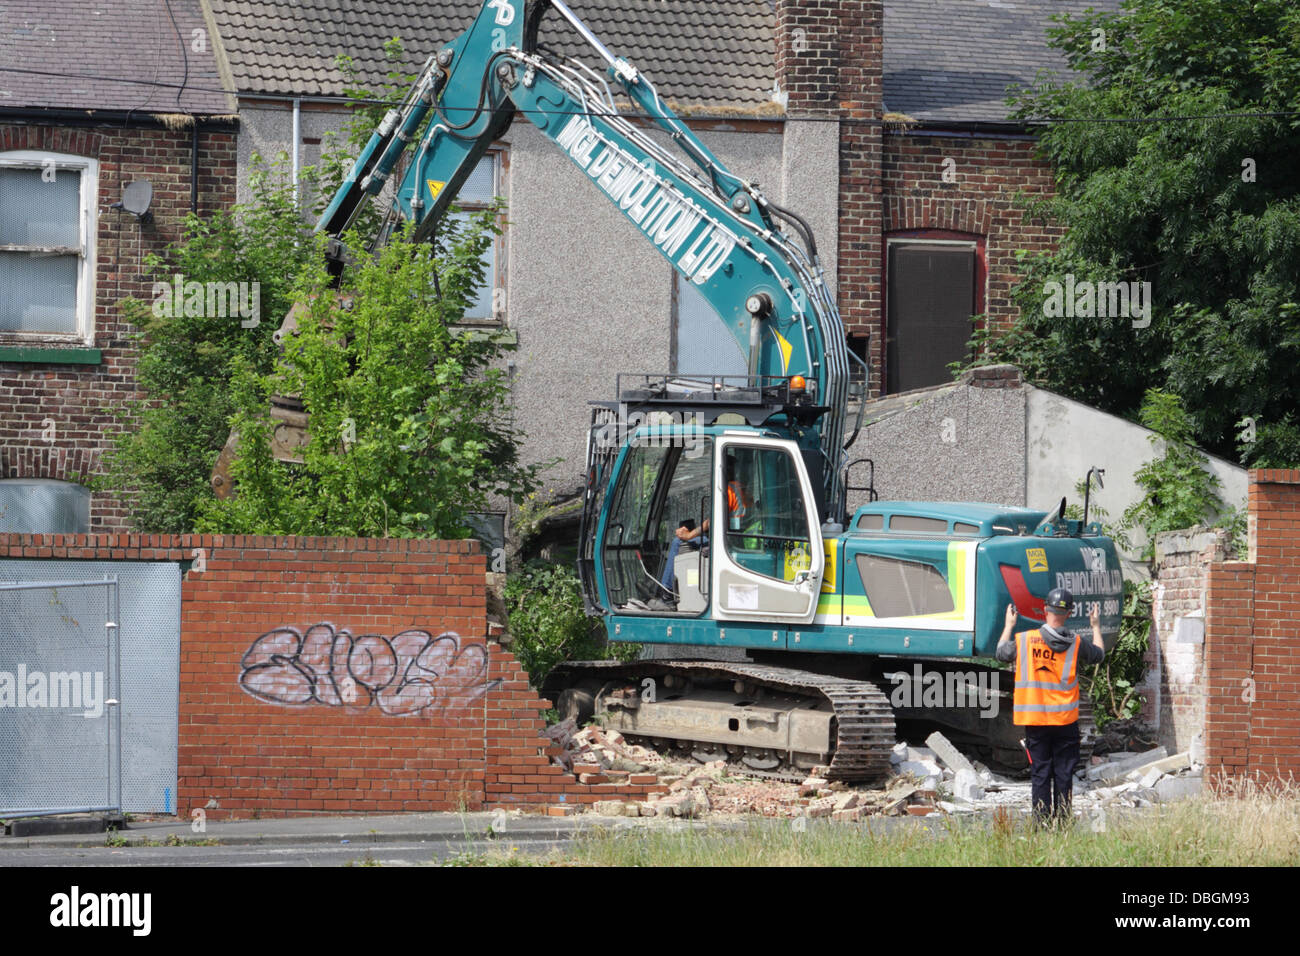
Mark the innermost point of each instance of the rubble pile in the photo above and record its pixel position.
(1138, 780)
(935, 778)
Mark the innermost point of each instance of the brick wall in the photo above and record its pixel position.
(1252, 641)
(414, 710)
(79, 399)
(1175, 686)
(982, 200)
(829, 64)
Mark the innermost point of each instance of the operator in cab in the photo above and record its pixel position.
(738, 505)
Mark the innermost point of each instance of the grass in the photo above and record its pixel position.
(114, 838)
(1244, 825)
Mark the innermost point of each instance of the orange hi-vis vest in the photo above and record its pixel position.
(1047, 683)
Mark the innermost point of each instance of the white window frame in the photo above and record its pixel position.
(88, 223)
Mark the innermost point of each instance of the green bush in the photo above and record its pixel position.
(548, 624)
(162, 458)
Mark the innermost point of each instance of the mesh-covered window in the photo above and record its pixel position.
(897, 588)
(43, 506)
(918, 523)
(930, 300)
(701, 343)
(871, 523)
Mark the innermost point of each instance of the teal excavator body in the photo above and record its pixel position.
(750, 473)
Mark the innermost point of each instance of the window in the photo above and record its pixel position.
(917, 523)
(701, 343)
(897, 588)
(629, 528)
(931, 294)
(43, 506)
(767, 526)
(482, 186)
(47, 235)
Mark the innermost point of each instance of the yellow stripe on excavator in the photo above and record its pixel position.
(786, 348)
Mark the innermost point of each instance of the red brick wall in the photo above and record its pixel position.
(80, 398)
(829, 63)
(1252, 641)
(982, 201)
(460, 732)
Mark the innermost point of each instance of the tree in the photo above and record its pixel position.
(406, 432)
(162, 459)
(1175, 166)
(408, 428)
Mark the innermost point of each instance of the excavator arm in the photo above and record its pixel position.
(716, 229)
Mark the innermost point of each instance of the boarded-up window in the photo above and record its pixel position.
(931, 298)
(903, 588)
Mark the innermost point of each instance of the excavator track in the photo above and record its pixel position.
(863, 719)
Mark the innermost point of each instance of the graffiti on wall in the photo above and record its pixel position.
(408, 674)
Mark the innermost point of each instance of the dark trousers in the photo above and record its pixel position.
(1055, 753)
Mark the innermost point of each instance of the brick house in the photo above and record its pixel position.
(917, 221)
(91, 100)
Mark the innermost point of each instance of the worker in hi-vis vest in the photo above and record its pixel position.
(1047, 696)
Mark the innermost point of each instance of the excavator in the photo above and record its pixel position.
(798, 635)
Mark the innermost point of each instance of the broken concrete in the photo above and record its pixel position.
(1116, 769)
(950, 755)
(966, 786)
(1168, 789)
(920, 768)
(1149, 778)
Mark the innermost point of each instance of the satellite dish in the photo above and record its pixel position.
(136, 198)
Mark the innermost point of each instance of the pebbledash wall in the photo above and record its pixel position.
(342, 675)
(1251, 642)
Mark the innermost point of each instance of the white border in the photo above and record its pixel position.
(89, 220)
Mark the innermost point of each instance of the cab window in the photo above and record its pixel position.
(767, 525)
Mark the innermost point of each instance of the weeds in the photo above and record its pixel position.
(1239, 823)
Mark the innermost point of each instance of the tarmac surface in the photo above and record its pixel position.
(411, 838)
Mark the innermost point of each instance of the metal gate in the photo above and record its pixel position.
(60, 697)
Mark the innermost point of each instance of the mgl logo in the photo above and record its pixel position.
(1094, 559)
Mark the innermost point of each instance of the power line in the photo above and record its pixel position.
(830, 118)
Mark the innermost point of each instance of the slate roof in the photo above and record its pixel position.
(120, 55)
(952, 60)
(945, 60)
(707, 52)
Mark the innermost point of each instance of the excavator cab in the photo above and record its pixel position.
(752, 548)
